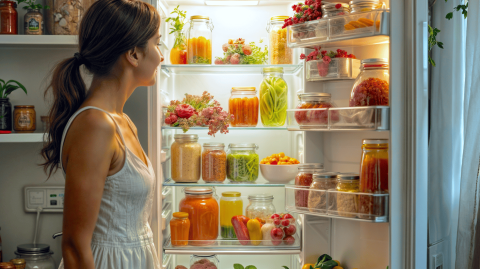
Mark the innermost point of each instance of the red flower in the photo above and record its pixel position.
(298, 9)
(302, 56)
(327, 59)
(184, 111)
(337, 6)
(294, 7)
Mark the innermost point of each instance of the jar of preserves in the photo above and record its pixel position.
(242, 163)
(179, 228)
(330, 10)
(36, 256)
(19, 263)
(8, 18)
(357, 6)
(315, 117)
(207, 261)
(33, 22)
(347, 200)
(303, 180)
(202, 209)
(231, 204)
(317, 196)
(371, 87)
(24, 119)
(279, 52)
(214, 162)
(260, 206)
(186, 156)
(7, 265)
(273, 97)
(199, 36)
(243, 105)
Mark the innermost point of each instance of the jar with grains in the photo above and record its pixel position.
(273, 97)
(33, 22)
(373, 177)
(347, 200)
(303, 179)
(260, 206)
(278, 52)
(19, 263)
(317, 196)
(186, 157)
(7, 265)
(179, 228)
(206, 261)
(8, 18)
(243, 105)
(231, 204)
(371, 87)
(36, 256)
(214, 162)
(202, 209)
(357, 6)
(24, 119)
(315, 117)
(242, 162)
(199, 36)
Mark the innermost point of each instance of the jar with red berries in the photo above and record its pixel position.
(316, 105)
(303, 180)
(371, 88)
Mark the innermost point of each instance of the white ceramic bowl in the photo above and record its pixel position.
(279, 173)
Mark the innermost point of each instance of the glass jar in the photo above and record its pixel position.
(19, 263)
(273, 97)
(243, 105)
(334, 9)
(315, 117)
(279, 52)
(6, 111)
(36, 256)
(231, 204)
(178, 54)
(33, 22)
(7, 265)
(24, 119)
(242, 162)
(347, 203)
(317, 200)
(260, 206)
(208, 261)
(202, 209)
(67, 17)
(8, 18)
(214, 162)
(186, 156)
(371, 87)
(179, 228)
(199, 40)
(303, 180)
(357, 6)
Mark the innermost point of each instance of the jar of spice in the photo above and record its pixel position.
(317, 196)
(24, 119)
(371, 87)
(260, 206)
(303, 180)
(8, 18)
(186, 157)
(231, 204)
(33, 22)
(19, 263)
(214, 162)
(347, 199)
(279, 52)
(179, 228)
(36, 256)
(315, 118)
(243, 105)
(357, 6)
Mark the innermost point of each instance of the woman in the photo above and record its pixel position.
(109, 179)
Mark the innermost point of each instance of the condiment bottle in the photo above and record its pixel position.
(180, 227)
(231, 204)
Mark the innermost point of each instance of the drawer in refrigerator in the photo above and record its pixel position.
(360, 24)
(338, 68)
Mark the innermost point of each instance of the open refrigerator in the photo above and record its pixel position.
(398, 238)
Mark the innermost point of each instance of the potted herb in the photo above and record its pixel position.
(178, 54)
(6, 88)
(33, 19)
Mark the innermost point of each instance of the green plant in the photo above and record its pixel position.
(177, 24)
(6, 88)
(30, 4)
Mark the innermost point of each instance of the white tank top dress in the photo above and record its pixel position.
(122, 238)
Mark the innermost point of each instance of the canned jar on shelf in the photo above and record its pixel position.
(273, 97)
(242, 163)
(207, 261)
(371, 88)
(179, 229)
(214, 162)
(304, 179)
(357, 6)
(199, 36)
(243, 105)
(317, 196)
(186, 155)
(231, 204)
(314, 100)
(330, 10)
(347, 200)
(260, 206)
(278, 52)
(8, 18)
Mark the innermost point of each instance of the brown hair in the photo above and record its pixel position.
(108, 29)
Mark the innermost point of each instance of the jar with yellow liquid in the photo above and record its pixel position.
(231, 204)
(199, 47)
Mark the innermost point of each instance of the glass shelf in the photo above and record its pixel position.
(231, 128)
(222, 69)
(226, 183)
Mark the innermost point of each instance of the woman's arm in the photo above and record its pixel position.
(89, 146)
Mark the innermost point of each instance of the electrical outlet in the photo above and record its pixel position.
(50, 198)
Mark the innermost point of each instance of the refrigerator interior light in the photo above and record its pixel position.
(231, 3)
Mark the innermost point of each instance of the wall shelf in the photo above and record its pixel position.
(22, 138)
(226, 69)
(23, 41)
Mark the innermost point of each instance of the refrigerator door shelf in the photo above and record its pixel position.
(339, 68)
(226, 183)
(199, 69)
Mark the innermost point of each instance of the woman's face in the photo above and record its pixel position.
(147, 65)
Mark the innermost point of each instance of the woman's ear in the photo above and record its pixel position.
(132, 56)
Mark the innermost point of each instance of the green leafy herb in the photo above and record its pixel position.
(30, 4)
(258, 55)
(238, 266)
(432, 41)
(177, 24)
(250, 267)
(325, 262)
(6, 88)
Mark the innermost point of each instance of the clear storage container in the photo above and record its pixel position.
(231, 204)
(347, 199)
(278, 52)
(186, 155)
(273, 97)
(338, 68)
(330, 10)
(243, 105)
(36, 256)
(260, 206)
(199, 35)
(242, 163)
(208, 261)
(313, 114)
(371, 88)
(303, 179)
(214, 162)
(317, 201)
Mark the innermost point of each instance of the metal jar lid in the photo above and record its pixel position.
(243, 145)
(199, 17)
(260, 197)
(375, 141)
(279, 18)
(231, 194)
(243, 89)
(323, 176)
(310, 166)
(348, 176)
(198, 190)
(212, 144)
(33, 249)
(187, 137)
(273, 70)
(313, 96)
(360, 2)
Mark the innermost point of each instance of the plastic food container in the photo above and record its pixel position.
(339, 68)
(36, 256)
(202, 209)
(243, 104)
(347, 200)
(186, 155)
(330, 10)
(279, 52)
(312, 117)
(305, 178)
(180, 228)
(273, 97)
(242, 163)
(307, 32)
(199, 48)
(371, 88)
(364, 5)
(207, 261)
(260, 206)
(317, 200)
(214, 162)
(231, 204)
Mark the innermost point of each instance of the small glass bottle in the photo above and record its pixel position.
(231, 204)
(180, 228)
(199, 40)
(347, 202)
(279, 52)
(243, 105)
(273, 97)
(186, 157)
(260, 206)
(205, 260)
(214, 162)
(8, 18)
(303, 180)
(371, 88)
(242, 163)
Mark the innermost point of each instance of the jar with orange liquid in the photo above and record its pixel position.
(199, 40)
(243, 104)
(373, 177)
(178, 54)
(202, 209)
(180, 227)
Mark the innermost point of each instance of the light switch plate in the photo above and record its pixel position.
(50, 198)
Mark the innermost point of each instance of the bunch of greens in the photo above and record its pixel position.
(273, 101)
(30, 4)
(242, 166)
(324, 262)
(239, 266)
(177, 24)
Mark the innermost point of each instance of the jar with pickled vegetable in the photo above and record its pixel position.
(242, 163)
(202, 209)
(273, 97)
(279, 52)
(260, 206)
(317, 196)
(347, 200)
(357, 6)
(179, 228)
(199, 48)
(303, 180)
(315, 117)
(214, 162)
(231, 204)
(243, 105)
(371, 88)
(186, 155)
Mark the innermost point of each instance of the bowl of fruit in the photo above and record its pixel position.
(279, 168)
